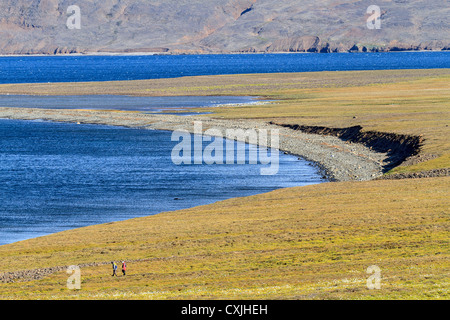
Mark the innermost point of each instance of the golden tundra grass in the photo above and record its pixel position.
(310, 242)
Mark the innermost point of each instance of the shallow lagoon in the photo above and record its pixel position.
(120, 102)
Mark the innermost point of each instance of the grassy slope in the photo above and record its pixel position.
(309, 242)
(304, 242)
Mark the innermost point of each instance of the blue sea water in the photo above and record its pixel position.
(58, 176)
(25, 69)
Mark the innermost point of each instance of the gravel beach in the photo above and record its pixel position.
(339, 160)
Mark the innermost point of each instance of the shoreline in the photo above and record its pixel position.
(156, 53)
(336, 159)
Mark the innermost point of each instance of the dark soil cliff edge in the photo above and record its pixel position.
(398, 147)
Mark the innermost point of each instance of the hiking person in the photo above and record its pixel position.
(124, 267)
(114, 266)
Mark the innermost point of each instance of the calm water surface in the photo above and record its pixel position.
(106, 68)
(57, 176)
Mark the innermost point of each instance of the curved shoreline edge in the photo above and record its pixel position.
(341, 154)
(337, 159)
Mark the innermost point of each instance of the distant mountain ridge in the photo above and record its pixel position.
(221, 26)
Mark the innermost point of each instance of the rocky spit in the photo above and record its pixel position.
(338, 160)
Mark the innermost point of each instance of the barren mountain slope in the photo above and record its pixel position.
(40, 26)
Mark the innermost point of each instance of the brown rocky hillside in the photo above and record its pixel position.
(194, 26)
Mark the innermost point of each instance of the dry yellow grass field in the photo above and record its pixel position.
(313, 242)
